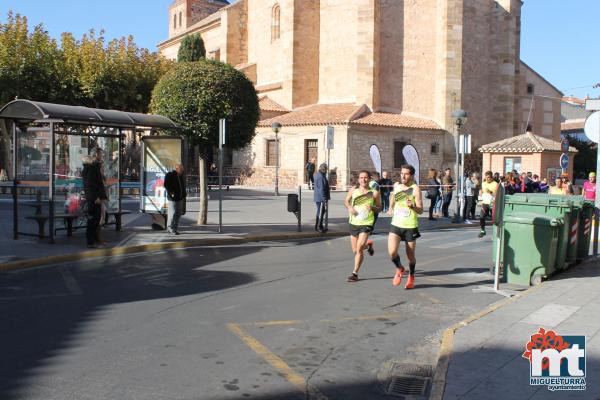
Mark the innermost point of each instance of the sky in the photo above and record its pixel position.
(559, 38)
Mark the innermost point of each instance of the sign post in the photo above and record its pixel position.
(330, 130)
(222, 127)
(592, 131)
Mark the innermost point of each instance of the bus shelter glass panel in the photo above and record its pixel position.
(160, 155)
(33, 155)
(72, 153)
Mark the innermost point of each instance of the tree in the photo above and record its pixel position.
(191, 48)
(586, 157)
(196, 95)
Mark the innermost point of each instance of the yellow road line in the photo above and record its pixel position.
(430, 298)
(298, 321)
(276, 363)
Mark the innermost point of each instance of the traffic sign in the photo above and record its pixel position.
(592, 127)
(564, 145)
(329, 131)
(564, 161)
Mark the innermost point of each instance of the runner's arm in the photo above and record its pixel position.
(418, 206)
(351, 209)
(377, 198)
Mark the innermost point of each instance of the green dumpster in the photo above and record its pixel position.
(553, 206)
(530, 243)
(586, 215)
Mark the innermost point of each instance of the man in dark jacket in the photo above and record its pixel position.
(175, 187)
(310, 171)
(321, 196)
(95, 194)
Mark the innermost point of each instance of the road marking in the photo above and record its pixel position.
(450, 245)
(434, 260)
(277, 363)
(70, 281)
(298, 321)
(122, 242)
(430, 298)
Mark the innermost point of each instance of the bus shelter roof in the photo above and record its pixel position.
(28, 110)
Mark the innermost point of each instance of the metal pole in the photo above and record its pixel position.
(499, 238)
(462, 174)
(276, 163)
(221, 141)
(120, 145)
(300, 208)
(14, 176)
(325, 202)
(51, 186)
(457, 172)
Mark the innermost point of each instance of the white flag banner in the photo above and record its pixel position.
(375, 157)
(412, 157)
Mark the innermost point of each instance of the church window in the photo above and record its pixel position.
(530, 88)
(174, 21)
(271, 156)
(435, 148)
(180, 18)
(275, 17)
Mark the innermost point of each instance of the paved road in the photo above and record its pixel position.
(261, 321)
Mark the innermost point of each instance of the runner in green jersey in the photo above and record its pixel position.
(405, 206)
(362, 203)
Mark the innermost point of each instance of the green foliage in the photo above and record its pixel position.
(197, 94)
(90, 72)
(586, 157)
(28, 152)
(191, 49)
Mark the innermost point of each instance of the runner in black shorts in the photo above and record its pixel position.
(362, 203)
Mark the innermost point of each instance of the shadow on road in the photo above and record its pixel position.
(45, 311)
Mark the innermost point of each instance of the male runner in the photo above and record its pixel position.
(362, 203)
(406, 204)
(488, 193)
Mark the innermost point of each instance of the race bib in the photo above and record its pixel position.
(402, 212)
(362, 215)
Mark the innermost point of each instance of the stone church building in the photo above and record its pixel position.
(384, 72)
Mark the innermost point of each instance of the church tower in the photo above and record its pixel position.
(185, 13)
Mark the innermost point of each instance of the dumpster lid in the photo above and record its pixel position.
(543, 199)
(533, 219)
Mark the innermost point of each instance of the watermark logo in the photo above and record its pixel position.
(556, 361)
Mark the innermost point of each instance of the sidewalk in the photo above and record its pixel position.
(247, 215)
(486, 359)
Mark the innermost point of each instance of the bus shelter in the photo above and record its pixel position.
(50, 143)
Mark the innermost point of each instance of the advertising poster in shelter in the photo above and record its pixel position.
(160, 155)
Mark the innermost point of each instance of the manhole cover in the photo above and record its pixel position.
(409, 380)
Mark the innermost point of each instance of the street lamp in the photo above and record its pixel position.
(460, 118)
(276, 127)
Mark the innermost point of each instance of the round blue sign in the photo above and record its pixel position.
(564, 161)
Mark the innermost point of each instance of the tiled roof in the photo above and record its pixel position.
(397, 121)
(323, 114)
(267, 104)
(525, 143)
(317, 114)
(572, 124)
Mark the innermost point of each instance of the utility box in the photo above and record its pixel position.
(293, 205)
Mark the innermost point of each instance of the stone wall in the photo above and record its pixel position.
(200, 9)
(305, 62)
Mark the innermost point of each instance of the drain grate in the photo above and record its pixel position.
(408, 386)
(408, 380)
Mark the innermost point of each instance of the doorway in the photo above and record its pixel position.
(311, 147)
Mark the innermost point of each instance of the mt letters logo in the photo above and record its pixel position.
(556, 361)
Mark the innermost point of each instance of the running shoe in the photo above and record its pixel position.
(481, 234)
(353, 278)
(370, 249)
(398, 277)
(410, 282)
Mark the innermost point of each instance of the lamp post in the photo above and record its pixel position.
(460, 118)
(276, 127)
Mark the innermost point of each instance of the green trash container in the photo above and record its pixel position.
(553, 206)
(529, 245)
(586, 215)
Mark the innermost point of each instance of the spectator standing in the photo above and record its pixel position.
(447, 187)
(488, 195)
(469, 196)
(176, 194)
(432, 191)
(558, 188)
(322, 195)
(589, 187)
(310, 172)
(437, 210)
(385, 188)
(535, 183)
(544, 186)
(95, 195)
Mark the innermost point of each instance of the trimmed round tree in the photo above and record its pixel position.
(191, 48)
(196, 95)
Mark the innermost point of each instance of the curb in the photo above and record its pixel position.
(438, 385)
(116, 251)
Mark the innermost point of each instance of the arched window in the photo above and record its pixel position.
(275, 16)
(180, 18)
(174, 21)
